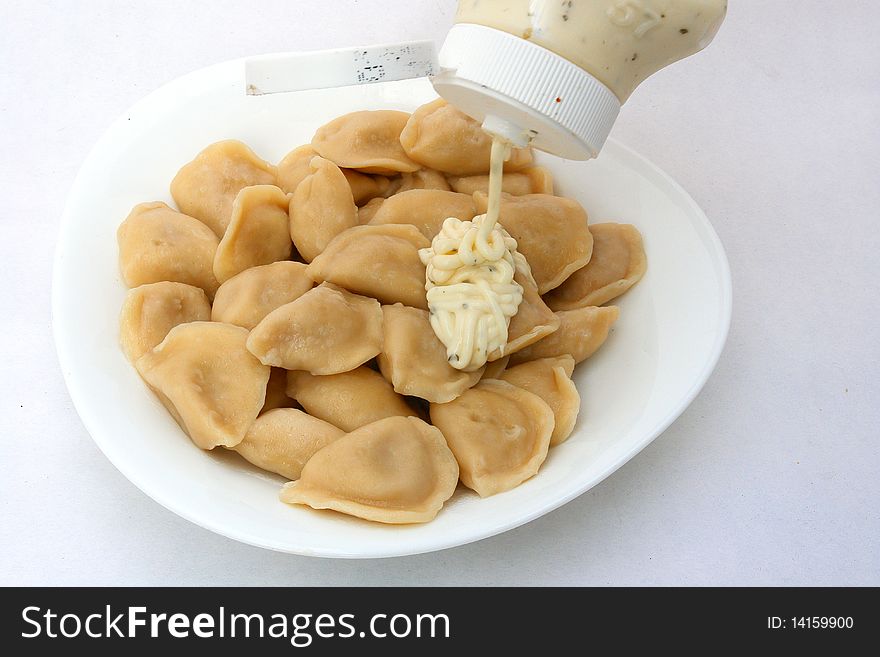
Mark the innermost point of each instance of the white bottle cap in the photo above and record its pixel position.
(524, 88)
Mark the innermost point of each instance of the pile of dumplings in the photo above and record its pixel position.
(280, 312)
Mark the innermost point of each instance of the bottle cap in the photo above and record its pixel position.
(525, 88)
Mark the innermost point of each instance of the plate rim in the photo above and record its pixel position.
(710, 240)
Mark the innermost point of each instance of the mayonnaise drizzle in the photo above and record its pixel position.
(470, 269)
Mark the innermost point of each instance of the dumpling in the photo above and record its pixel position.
(325, 331)
(397, 470)
(550, 231)
(208, 380)
(581, 332)
(248, 297)
(377, 261)
(276, 391)
(151, 310)
(414, 360)
(294, 168)
(499, 434)
(284, 439)
(617, 264)
(443, 137)
(365, 140)
(321, 207)
(367, 211)
(258, 233)
(365, 187)
(206, 187)
(533, 320)
(426, 209)
(495, 368)
(550, 379)
(348, 400)
(532, 180)
(421, 179)
(158, 244)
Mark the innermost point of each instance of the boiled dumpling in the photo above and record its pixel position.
(258, 233)
(276, 391)
(414, 360)
(325, 331)
(294, 168)
(499, 434)
(248, 297)
(207, 378)
(533, 320)
(581, 332)
(550, 231)
(367, 211)
(617, 264)
(321, 207)
(365, 140)
(365, 187)
(443, 137)
(151, 310)
(550, 379)
(421, 179)
(532, 180)
(158, 244)
(378, 261)
(426, 209)
(284, 439)
(397, 470)
(348, 400)
(495, 368)
(206, 187)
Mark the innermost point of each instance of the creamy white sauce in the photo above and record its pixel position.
(470, 269)
(620, 42)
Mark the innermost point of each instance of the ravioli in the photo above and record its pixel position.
(246, 298)
(157, 244)
(206, 187)
(550, 231)
(550, 379)
(368, 210)
(581, 332)
(294, 168)
(258, 233)
(365, 187)
(377, 261)
(276, 391)
(151, 310)
(533, 320)
(421, 179)
(617, 264)
(321, 208)
(212, 385)
(325, 331)
(532, 180)
(498, 433)
(495, 368)
(348, 400)
(414, 360)
(365, 140)
(442, 137)
(397, 470)
(284, 439)
(426, 209)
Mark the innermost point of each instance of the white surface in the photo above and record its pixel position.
(659, 354)
(769, 478)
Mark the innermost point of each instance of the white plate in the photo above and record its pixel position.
(671, 330)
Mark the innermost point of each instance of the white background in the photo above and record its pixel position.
(771, 477)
